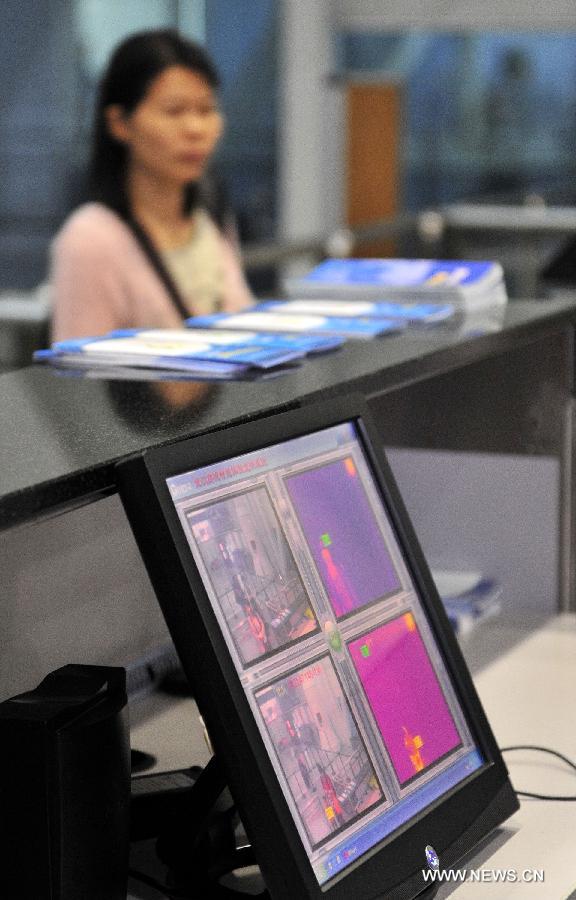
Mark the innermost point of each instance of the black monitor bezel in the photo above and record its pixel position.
(455, 823)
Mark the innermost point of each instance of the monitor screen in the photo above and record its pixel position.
(316, 602)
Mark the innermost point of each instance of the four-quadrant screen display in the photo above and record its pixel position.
(340, 669)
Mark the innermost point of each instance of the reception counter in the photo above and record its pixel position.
(74, 588)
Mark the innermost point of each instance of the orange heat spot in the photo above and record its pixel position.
(409, 622)
(350, 467)
(413, 744)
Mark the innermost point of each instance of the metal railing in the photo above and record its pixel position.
(426, 226)
(533, 222)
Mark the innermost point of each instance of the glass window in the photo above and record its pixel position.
(485, 115)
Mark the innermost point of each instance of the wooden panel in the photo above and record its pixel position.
(373, 115)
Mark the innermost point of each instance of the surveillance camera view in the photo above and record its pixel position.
(321, 753)
(253, 573)
(405, 696)
(343, 535)
(330, 640)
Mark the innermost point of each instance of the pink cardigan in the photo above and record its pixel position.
(101, 279)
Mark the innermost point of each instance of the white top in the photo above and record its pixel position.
(196, 267)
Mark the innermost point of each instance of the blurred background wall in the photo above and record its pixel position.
(484, 106)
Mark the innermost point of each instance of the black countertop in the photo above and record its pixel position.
(60, 435)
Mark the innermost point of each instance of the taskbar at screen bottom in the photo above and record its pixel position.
(369, 835)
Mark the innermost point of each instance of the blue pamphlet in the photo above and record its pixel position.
(303, 343)
(400, 272)
(177, 350)
(263, 320)
(412, 313)
(468, 597)
(472, 283)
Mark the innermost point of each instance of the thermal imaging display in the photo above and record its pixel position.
(405, 696)
(319, 749)
(253, 573)
(343, 536)
(310, 587)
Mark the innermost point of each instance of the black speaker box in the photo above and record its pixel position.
(65, 788)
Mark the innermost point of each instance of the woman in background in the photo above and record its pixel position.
(151, 247)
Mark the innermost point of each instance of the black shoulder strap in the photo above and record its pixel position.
(155, 261)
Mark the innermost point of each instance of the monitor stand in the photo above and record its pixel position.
(199, 844)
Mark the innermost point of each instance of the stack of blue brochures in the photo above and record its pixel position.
(298, 344)
(183, 350)
(273, 320)
(469, 284)
(306, 344)
(411, 313)
(468, 597)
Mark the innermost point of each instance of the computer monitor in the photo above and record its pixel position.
(322, 661)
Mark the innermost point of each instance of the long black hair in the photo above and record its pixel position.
(132, 68)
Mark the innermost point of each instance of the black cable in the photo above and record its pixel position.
(562, 797)
(539, 749)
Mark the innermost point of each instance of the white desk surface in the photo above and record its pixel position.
(529, 695)
(529, 698)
